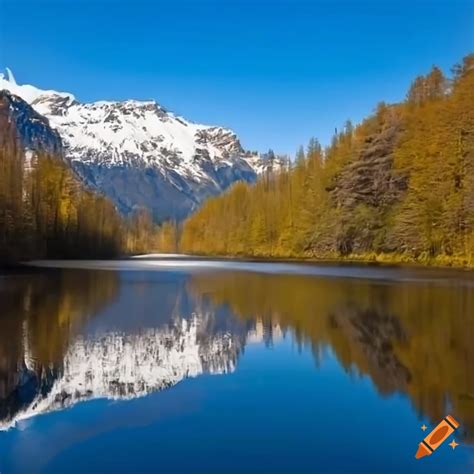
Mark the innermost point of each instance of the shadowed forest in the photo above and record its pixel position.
(397, 187)
(47, 212)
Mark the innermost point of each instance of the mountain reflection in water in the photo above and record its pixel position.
(74, 335)
(48, 363)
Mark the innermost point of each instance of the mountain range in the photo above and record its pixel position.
(138, 153)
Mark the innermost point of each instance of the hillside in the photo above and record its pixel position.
(399, 187)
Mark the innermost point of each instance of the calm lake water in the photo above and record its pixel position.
(179, 365)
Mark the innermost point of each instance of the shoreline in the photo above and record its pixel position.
(381, 260)
(376, 260)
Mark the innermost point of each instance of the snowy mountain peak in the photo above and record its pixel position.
(28, 92)
(10, 76)
(140, 154)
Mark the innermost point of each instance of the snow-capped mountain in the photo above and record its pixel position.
(140, 154)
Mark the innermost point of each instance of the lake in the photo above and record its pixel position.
(170, 364)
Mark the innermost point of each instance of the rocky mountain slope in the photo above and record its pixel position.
(141, 155)
(34, 129)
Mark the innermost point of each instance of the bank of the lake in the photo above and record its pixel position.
(440, 261)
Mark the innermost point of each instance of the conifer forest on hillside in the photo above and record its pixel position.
(397, 187)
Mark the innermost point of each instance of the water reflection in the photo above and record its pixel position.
(41, 313)
(415, 338)
(74, 335)
(54, 354)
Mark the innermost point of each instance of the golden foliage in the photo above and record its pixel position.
(399, 186)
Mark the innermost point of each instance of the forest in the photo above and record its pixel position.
(397, 187)
(47, 212)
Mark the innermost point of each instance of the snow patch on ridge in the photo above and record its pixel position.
(28, 92)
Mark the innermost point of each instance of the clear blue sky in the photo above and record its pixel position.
(276, 71)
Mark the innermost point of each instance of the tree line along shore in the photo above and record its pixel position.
(398, 187)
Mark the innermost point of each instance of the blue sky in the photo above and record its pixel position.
(276, 71)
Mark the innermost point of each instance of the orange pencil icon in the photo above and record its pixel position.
(446, 427)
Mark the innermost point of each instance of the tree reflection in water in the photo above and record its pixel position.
(412, 337)
(42, 312)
